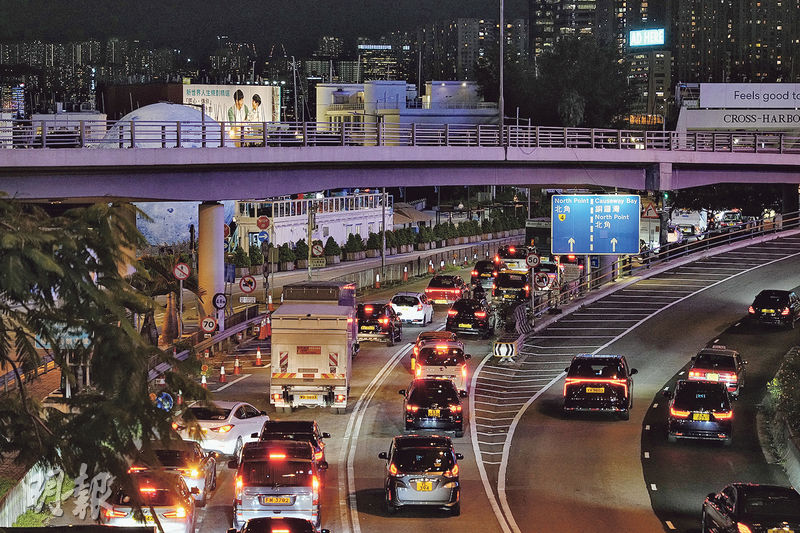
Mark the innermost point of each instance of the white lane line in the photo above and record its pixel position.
(567, 319)
(572, 336)
(494, 418)
(647, 455)
(647, 427)
(490, 434)
(589, 328)
(502, 524)
(490, 443)
(473, 424)
(491, 453)
(653, 487)
(348, 493)
(237, 380)
(669, 524)
(655, 405)
(558, 347)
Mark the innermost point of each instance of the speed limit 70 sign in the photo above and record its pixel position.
(208, 324)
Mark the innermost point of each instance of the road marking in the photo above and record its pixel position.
(350, 436)
(655, 405)
(653, 487)
(647, 427)
(647, 455)
(669, 524)
(682, 372)
(237, 380)
(716, 341)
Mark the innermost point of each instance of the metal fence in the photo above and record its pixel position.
(170, 134)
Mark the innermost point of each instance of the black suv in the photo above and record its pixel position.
(599, 383)
(275, 524)
(469, 315)
(776, 307)
(751, 507)
(512, 285)
(484, 272)
(432, 403)
(700, 410)
(379, 322)
(296, 430)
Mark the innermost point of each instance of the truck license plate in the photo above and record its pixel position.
(308, 396)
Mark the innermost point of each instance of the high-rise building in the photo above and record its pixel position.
(330, 47)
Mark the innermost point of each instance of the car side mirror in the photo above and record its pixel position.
(325, 531)
(383, 455)
(634, 371)
(463, 394)
(326, 435)
(253, 435)
(467, 357)
(195, 490)
(668, 394)
(263, 413)
(459, 456)
(323, 465)
(401, 392)
(233, 464)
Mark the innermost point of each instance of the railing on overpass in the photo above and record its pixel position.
(169, 134)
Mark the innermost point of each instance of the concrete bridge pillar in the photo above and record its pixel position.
(127, 257)
(211, 256)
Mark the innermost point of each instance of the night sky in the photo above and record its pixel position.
(193, 24)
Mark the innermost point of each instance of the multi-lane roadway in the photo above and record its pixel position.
(528, 469)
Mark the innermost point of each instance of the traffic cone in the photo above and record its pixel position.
(270, 306)
(258, 356)
(236, 368)
(179, 398)
(222, 378)
(262, 331)
(206, 354)
(203, 382)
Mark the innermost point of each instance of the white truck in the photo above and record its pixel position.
(313, 344)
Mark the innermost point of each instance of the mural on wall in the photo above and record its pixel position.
(170, 221)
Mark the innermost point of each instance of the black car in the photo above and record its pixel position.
(512, 285)
(296, 430)
(777, 307)
(599, 383)
(379, 322)
(484, 272)
(469, 315)
(433, 404)
(700, 410)
(749, 507)
(422, 470)
(445, 289)
(277, 524)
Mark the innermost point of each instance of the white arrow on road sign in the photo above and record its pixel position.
(571, 242)
(613, 245)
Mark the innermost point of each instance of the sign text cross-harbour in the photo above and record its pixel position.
(595, 224)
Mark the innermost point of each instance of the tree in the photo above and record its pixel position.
(301, 250)
(332, 247)
(256, 256)
(240, 259)
(60, 277)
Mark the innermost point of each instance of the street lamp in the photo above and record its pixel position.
(500, 102)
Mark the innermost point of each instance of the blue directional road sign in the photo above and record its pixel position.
(263, 236)
(595, 224)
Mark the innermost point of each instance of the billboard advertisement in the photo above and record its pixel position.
(236, 103)
(651, 37)
(750, 95)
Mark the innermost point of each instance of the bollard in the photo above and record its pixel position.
(270, 306)
(405, 273)
(179, 398)
(377, 281)
(236, 368)
(258, 356)
(203, 382)
(222, 378)
(206, 354)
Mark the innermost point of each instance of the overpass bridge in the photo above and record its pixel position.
(199, 161)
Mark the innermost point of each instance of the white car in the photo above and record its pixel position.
(413, 307)
(225, 426)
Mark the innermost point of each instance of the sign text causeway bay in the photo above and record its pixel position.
(595, 224)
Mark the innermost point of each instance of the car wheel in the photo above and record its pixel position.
(625, 415)
(238, 448)
(456, 509)
(202, 501)
(704, 523)
(727, 442)
(671, 438)
(459, 434)
(390, 339)
(214, 480)
(391, 508)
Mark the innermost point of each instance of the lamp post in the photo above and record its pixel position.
(500, 102)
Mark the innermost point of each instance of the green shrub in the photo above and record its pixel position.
(391, 239)
(6, 484)
(301, 249)
(353, 244)
(332, 247)
(256, 257)
(31, 518)
(285, 254)
(425, 234)
(240, 259)
(786, 386)
(374, 241)
(486, 226)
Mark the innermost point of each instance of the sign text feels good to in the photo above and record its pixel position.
(595, 224)
(750, 95)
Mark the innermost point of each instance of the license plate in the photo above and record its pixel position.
(595, 390)
(780, 530)
(308, 396)
(705, 417)
(434, 412)
(440, 301)
(424, 486)
(367, 328)
(712, 376)
(508, 296)
(465, 326)
(767, 311)
(149, 519)
(276, 500)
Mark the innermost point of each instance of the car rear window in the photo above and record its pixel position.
(773, 504)
(696, 395)
(596, 369)
(517, 253)
(771, 299)
(148, 495)
(370, 311)
(276, 473)
(547, 268)
(440, 281)
(300, 437)
(715, 361)
(516, 281)
(484, 266)
(435, 335)
(423, 459)
(442, 392)
(170, 458)
(405, 301)
(210, 413)
(442, 356)
(468, 304)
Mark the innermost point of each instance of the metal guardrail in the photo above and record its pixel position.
(167, 134)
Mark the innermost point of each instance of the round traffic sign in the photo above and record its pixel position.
(247, 284)
(533, 260)
(263, 236)
(227, 231)
(220, 301)
(208, 324)
(181, 271)
(317, 250)
(541, 280)
(164, 401)
(262, 222)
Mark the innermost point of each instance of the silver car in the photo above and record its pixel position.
(422, 470)
(197, 467)
(162, 492)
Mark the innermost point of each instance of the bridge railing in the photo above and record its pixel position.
(70, 133)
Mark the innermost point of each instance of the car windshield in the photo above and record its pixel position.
(771, 299)
(586, 368)
(277, 473)
(715, 361)
(405, 301)
(516, 281)
(210, 413)
(699, 395)
(423, 459)
(441, 281)
(440, 392)
(442, 356)
(772, 503)
(170, 458)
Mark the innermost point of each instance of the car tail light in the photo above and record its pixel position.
(384, 320)
(340, 398)
(318, 456)
(428, 290)
(474, 272)
(416, 350)
(110, 512)
(133, 469)
(494, 273)
(695, 374)
(280, 456)
(239, 483)
(611, 381)
(512, 250)
(464, 371)
(454, 408)
(419, 371)
(494, 286)
(419, 307)
(190, 472)
(751, 310)
(480, 314)
(276, 397)
(315, 483)
(527, 289)
(785, 312)
(222, 429)
(678, 413)
(453, 472)
(179, 512)
(368, 309)
(723, 416)
(497, 259)
(147, 490)
(177, 427)
(392, 469)
(412, 408)
(742, 528)
(452, 312)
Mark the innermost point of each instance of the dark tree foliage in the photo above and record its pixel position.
(750, 198)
